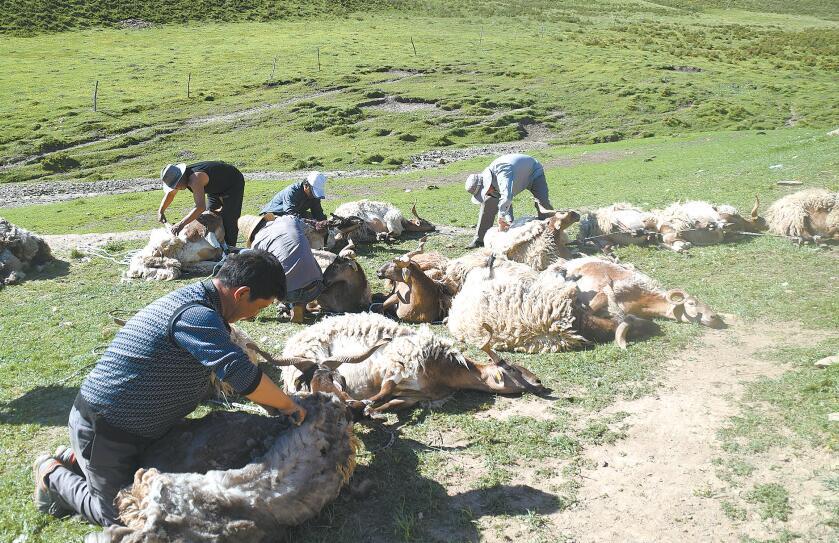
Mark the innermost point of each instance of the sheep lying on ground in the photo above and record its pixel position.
(810, 215)
(532, 312)
(382, 221)
(537, 242)
(413, 365)
(20, 251)
(237, 477)
(619, 224)
(165, 256)
(346, 286)
(600, 282)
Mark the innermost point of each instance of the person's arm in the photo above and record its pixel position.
(164, 204)
(269, 394)
(201, 332)
(200, 202)
(317, 210)
(504, 178)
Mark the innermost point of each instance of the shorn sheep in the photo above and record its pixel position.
(20, 252)
(809, 215)
(532, 312)
(414, 365)
(233, 477)
(382, 221)
(600, 282)
(537, 242)
(165, 256)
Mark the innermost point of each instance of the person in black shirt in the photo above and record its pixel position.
(214, 185)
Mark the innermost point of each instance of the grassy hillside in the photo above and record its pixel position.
(371, 89)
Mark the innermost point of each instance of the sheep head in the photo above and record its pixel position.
(417, 224)
(687, 308)
(505, 378)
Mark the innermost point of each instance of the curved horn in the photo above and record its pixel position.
(620, 335)
(754, 209)
(542, 210)
(487, 346)
(414, 211)
(333, 362)
(348, 251)
(419, 249)
(281, 361)
(676, 296)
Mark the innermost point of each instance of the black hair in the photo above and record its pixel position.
(257, 269)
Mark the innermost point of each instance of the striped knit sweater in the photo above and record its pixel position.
(148, 380)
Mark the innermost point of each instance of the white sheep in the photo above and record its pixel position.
(618, 224)
(537, 242)
(381, 220)
(197, 248)
(20, 251)
(810, 215)
(414, 365)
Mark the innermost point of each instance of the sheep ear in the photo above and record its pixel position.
(406, 274)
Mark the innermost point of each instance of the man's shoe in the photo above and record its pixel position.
(67, 457)
(45, 500)
(475, 245)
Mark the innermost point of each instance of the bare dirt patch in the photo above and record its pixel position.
(658, 484)
(396, 104)
(64, 243)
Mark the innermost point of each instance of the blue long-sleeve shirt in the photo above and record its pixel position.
(148, 380)
(512, 174)
(293, 200)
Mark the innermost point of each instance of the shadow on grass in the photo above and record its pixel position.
(48, 405)
(399, 503)
(51, 270)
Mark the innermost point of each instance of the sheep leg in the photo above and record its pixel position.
(395, 403)
(387, 389)
(391, 301)
(599, 303)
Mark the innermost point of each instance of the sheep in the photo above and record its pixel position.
(532, 312)
(382, 221)
(600, 281)
(345, 284)
(415, 365)
(537, 242)
(208, 480)
(20, 252)
(165, 255)
(618, 224)
(683, 225)
(809, 215)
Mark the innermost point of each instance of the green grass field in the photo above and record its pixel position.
(629, 121)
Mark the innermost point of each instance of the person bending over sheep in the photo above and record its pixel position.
(212, 182)
(156, 371)
(496, 186)
(301, 199)
(285, 238)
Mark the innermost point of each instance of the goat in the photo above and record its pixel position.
(346, 287)
(600, 282)
(417, 297)
(165, 255)
(207, 480)
(415, 365)
(382, 221)
(532, 312)
(535, 241)
(20, 252)
(618, 224)
(735, 223)
(809, 215)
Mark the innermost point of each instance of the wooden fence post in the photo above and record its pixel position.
(414, 46)
(95, 94)
(188, 82)
(318, 58)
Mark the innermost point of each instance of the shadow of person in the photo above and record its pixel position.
(46, 405)
(391, 497)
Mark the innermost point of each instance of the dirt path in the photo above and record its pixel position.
(658, 484)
